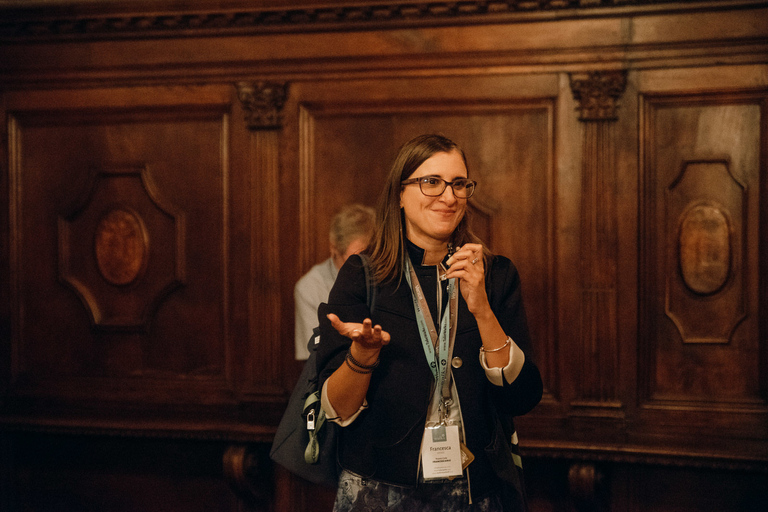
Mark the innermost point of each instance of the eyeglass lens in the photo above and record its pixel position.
(433, 186)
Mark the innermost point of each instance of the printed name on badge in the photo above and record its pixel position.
(441, 452)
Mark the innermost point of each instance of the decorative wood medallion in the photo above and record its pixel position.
(705, 248)
(121, 246)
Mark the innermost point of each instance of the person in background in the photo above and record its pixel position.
(425, 386)
(351, 231)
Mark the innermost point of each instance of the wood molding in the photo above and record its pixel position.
(169, 427)
(633, 454)
(74, 20)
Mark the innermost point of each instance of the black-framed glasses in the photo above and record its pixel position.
(434, 186)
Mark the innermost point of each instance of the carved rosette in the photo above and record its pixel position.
(263, 104)
(598, 93)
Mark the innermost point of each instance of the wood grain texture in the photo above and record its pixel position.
(214, 140)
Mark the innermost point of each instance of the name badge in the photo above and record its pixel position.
(441, 452)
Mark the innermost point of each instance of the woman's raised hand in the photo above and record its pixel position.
(368, 336)
(467, 264)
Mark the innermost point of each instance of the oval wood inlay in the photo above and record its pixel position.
(705, 249)
(121, 247)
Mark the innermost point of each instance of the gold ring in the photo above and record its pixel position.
(475, 260)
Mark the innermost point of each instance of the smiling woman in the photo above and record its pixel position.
(416, 429)
(432, 214)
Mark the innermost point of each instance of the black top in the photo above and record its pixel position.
(383, 442)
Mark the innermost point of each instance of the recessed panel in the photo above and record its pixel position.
(121, 224)
(699, 337)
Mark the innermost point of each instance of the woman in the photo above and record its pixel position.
(426, 422)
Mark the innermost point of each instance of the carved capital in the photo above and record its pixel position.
(263, 104)
(598, 93)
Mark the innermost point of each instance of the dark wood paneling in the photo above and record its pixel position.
(170, 176)
(701, 241)
(152, 324)
(74, 169)
(63, 473)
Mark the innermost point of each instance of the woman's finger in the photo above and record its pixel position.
(336, 323)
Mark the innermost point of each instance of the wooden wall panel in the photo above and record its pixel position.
(121, 249)
(703, 176)
(72, 164)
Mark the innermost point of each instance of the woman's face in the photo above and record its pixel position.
(430, 220)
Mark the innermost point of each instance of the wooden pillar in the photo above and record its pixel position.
(597, 367)
(247, 467)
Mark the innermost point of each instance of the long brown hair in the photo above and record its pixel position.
(387, 249)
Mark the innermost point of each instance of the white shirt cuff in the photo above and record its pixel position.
(510, 371)
(330, 412)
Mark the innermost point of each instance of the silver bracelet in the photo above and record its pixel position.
(505, 345)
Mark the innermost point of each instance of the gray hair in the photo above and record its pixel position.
(352, 222)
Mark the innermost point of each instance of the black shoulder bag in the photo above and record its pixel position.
(305, 444)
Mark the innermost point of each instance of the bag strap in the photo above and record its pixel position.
(370, 288)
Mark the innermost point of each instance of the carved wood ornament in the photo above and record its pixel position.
(598, 93)
(316, 17)
(124, 287)
(705, 248)
(263, 104)
(121, 246)
(587, 486)
(705, 293)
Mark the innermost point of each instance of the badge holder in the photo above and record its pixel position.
(443, 455)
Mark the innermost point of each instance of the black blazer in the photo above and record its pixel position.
(383, 442)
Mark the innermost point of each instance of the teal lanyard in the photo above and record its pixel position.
(437, 348)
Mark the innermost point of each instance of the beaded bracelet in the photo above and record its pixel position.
(358, 366)
(356, 370)
(505, 345)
